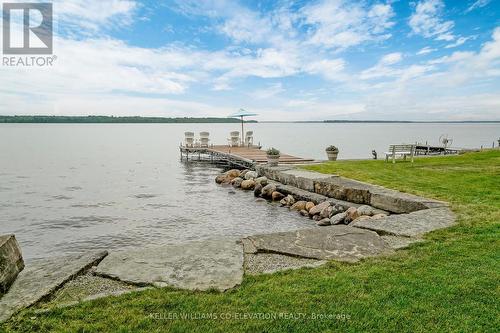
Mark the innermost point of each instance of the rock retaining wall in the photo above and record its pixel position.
(348, 190)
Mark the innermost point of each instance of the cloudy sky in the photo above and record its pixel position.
(286, 60)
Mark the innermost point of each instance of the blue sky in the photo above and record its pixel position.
(285, 60)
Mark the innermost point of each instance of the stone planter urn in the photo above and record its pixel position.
(332, 152)
(273, 156)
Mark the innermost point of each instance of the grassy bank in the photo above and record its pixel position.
(448, 283)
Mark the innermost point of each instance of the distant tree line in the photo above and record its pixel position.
(112, 119)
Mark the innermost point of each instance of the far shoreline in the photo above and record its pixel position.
(44, 119)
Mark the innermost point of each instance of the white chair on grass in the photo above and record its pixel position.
(204, 139)
(234, 140)
(189, 139)
(249, 139)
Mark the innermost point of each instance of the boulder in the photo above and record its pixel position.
(337, 209)
(288, 201)
(243, 173)
(277, 196)
(236, 182)
(316, 217)
(338, 218)
(304, 212)
(261, 180)
(352, 214)
(326, 212)
(318, 208)
(222, 179)
(257, 190)
(323, 222)
(227, 176)
(233, 173)
(251, 175)
(309, 205)
(299, 205)
(378, 216)
(248, 184)
(366, 210)
(267, 191)
(11, 261)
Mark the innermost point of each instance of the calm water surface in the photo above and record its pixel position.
(68, 188)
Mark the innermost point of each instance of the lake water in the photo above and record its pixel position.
(69, 188)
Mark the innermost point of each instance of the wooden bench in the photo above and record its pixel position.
(401, 150)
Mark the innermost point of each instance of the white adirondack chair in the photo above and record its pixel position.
(204, 139)
(234, 139)
(249, 138)
(189, 139)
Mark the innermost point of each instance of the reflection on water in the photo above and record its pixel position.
(68, 188)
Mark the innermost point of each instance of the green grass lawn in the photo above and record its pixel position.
(448, 283)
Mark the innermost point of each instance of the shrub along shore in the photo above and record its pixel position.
(447, 283)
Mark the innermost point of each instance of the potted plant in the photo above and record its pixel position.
(332, 153)
(273, 156)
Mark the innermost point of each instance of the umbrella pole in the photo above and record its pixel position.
(242, 140)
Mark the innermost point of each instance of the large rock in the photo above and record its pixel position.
(366, 210)
(309, 205)
(267, 191)
(318, 208)
(248, 184)
(338, 242)
(195, 265)
(11, 261)
(288, 201)
(323, 222)
(236, 182)
(262, 181)
(299, 205)
(41, 278)
(398, 202)
(410, 225)
(343, 189)
(338, 218)
(352, 214)
(251, 175)
(227, 176)
(277, 196)
(257, 190)
(326, 212)
(233, 173)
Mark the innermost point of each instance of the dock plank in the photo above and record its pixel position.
(254, 154)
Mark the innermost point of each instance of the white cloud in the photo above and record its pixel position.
(427, 21)
(330, 69)
(425, 50)
(478, 4)
(384, 67)
(458, 42)
(341, 24)
(391, 58)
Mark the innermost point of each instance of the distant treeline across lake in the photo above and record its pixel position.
(111, 119)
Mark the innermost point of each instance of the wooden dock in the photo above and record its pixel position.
(246, 157)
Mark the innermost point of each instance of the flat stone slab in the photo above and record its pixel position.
(339, 242)
(266, 263)
(414, 224)
(42, 278)
(195, 265)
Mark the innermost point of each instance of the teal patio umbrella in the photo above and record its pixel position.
(240, 114)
